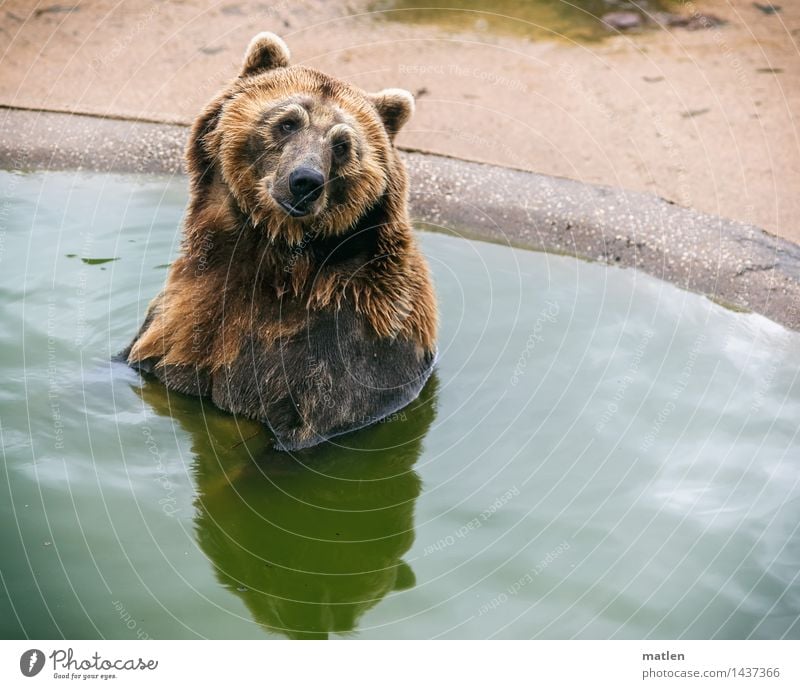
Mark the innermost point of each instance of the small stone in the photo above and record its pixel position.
(669, 19)
(704, 21)
(622, 20)
(767, 8)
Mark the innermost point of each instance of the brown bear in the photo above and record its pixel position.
(300, 297)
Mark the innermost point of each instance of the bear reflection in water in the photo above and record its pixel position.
(312, 540)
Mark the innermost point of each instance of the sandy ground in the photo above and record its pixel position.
(704, 118)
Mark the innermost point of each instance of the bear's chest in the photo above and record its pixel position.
(332, 375)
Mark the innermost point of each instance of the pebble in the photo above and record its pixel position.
(622, 20)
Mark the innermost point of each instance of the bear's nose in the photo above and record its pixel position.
(306, 184)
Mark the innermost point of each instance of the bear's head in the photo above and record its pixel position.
(296, 150)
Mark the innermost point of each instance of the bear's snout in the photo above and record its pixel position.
(306, 185)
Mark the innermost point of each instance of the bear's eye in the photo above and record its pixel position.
(341, 149)
(289, 126)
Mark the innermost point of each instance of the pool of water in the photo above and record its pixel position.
(573, 20)
(600, 455)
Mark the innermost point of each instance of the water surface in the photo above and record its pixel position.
(600, 455)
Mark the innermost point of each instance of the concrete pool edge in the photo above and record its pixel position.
(736, 264)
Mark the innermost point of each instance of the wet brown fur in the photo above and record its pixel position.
(249, 275)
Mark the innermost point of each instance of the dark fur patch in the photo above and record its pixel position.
(331, 378)
(361, 241)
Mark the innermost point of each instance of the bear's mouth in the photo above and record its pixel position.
(294, 211)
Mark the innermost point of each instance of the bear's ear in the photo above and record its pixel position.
(200, 156)
(395, 106)
(266, 51)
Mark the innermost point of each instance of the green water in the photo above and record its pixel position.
(599, 455)
(574, 20)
